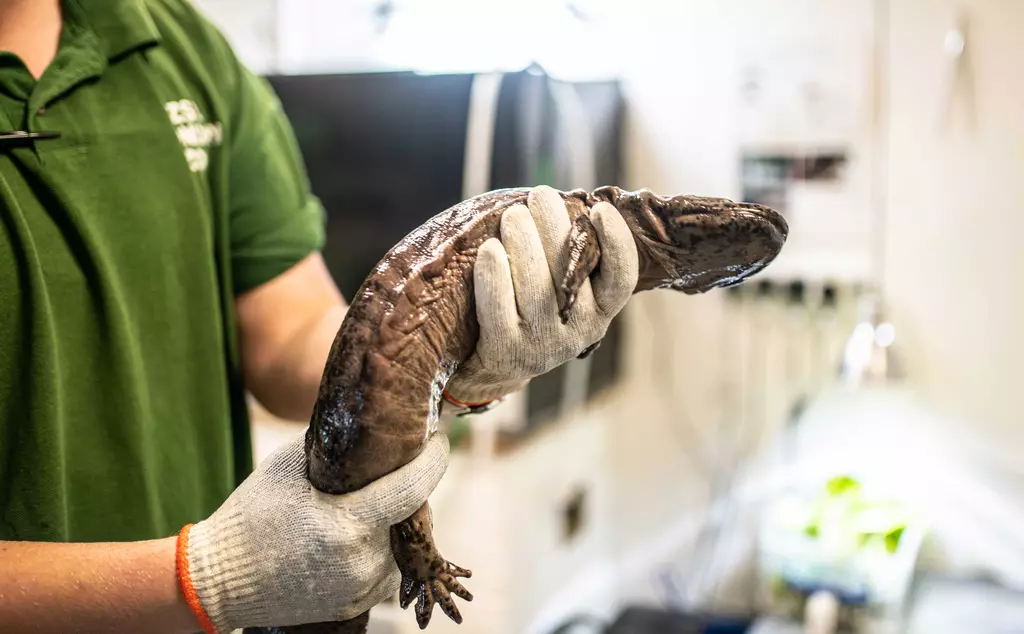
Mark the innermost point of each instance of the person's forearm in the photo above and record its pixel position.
(94, 587)
(292, 381)
(287, 326)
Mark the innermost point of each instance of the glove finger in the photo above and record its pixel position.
(495, 293)
(553, 226)
(616, 276)
(535, 292)
(397, 495)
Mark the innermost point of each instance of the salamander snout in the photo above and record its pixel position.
(694, 244)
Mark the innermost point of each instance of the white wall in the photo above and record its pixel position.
(955, 261)
(252, 27)
(954, 256)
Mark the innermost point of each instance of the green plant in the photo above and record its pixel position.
(843, 516)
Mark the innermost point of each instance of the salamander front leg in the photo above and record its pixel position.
(584, 255)
(426, 575)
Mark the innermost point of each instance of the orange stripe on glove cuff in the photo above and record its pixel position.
(185, 581)
(451, 399)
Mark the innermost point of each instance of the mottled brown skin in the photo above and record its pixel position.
(414, 320)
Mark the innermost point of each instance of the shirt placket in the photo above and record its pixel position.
(24, 100)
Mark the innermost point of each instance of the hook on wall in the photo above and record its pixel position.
(958, 75)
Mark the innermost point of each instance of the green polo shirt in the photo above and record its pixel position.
(174, 186)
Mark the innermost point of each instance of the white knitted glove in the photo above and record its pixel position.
(516, 283)
(278, 552)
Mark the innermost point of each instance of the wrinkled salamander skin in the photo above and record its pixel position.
(414, 320)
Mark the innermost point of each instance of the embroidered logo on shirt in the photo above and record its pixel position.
(194, 132)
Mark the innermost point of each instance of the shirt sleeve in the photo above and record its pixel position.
(275, 220)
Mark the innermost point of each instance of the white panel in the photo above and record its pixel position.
(250, 26)
(328, 35)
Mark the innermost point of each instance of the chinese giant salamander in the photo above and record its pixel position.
(413, 321)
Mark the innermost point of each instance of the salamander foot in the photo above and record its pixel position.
(426, 575)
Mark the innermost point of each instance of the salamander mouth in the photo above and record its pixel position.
(717, 246)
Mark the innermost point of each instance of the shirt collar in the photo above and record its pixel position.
(121, 25)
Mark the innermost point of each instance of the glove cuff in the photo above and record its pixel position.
(184, 575)
(216, 570)
(470, 406)
(482, 400)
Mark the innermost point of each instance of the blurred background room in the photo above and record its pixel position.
(835, 445)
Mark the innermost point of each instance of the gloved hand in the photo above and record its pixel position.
(516, 281)
(279, 552)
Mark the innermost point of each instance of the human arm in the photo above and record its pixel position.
(522, 336)
(248, 564)
(58, 587)
(286, 329)
(287, 308)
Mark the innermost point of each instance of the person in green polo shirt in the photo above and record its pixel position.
(160, 257)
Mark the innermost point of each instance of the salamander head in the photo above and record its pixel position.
(694, 244)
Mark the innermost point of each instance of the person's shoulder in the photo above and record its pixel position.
(201, 54)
